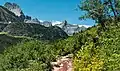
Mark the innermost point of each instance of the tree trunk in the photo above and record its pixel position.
(116, 5)
(114, 12)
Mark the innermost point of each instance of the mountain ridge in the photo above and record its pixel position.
(13, 7)
(35, 30)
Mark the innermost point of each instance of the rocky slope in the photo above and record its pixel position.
(13, 7)
(35, 30)
(7, 16)
(46, 23)
(2, 26)
(70, 29)
(34, 21)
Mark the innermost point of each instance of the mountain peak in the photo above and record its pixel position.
(8, 16)
(65, 22)
(13, 7)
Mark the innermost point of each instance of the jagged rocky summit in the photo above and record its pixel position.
(70, 29)
(13, 7)
(7, 16)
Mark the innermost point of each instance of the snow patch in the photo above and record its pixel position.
(56, 22)
(41, 20)
(16, 11)
(87, 26)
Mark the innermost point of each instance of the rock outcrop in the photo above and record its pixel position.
(8, 16)
(13, 7)
(70, 29)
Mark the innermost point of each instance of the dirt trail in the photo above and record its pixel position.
(63, 64)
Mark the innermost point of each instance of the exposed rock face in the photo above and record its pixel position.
(29, 20)
(62, 25)
(28, 17)
(70, 29)
(2, 26)
(8, 16)
(47, 24)
(13, 7)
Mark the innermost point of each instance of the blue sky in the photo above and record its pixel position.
(57, 10)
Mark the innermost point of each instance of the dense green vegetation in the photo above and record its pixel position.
(102, 54)
(8, 40)
(29, 56)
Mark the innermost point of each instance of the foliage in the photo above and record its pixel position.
(86, 60)
(7, 40)
(32, 55)
(102, 55)
(100, 10)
